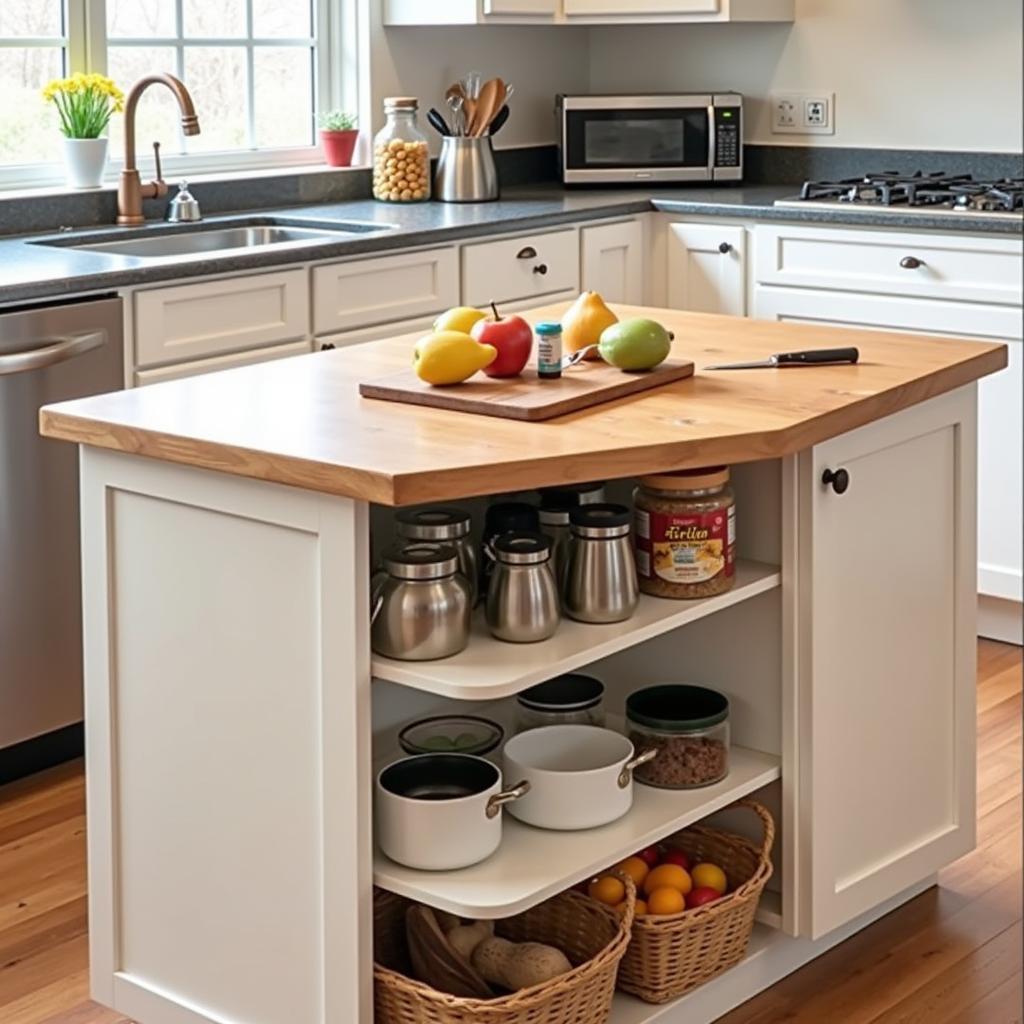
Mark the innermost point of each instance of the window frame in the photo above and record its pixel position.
(85, 48)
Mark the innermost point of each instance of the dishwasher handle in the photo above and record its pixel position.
(59, 350)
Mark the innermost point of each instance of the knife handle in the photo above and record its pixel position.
(820, 355)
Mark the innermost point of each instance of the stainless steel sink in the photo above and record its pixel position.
(224, 237)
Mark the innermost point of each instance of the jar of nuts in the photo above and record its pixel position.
(689, 727)
(401, 159)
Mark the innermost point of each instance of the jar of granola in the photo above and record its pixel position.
(685, 533)
(401, 160)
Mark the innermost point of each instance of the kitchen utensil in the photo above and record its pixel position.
(466, 172)
(471, 84)
(455, 103)
(435, 962)
(485, 107)
(437, 122)
(580, 776)
(525, 397)
(812, 357)
(420, 604)
(451, 734)
(499, 120)
(441, 525)
(438, 812)
(600, 577)
(577, 356)
(570, 699)
(522, 597)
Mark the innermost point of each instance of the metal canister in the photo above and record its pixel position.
(442, 525)
(421, 604)
(600, 576)
(522, 598)
(554, 523)
(503, 517)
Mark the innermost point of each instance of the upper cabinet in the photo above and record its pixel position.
(481, 12)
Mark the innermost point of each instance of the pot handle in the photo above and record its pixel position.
(626, 775)
(506, 796)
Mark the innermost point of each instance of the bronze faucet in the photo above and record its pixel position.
(130, 190)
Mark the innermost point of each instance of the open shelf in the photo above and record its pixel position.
(488, 669)
(532, 864)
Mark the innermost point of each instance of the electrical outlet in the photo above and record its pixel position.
(796, 113)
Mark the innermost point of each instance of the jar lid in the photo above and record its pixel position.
(554, 516)
(570, 692)
(401, 103)
(451, 734)
(573, 494)
(522, 548)
(677, 707)
(421, 561)
(688, 479)
(436, 523)
(509, 517)
(548, 327)
(603, 520)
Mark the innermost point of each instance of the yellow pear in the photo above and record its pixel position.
(583, 323)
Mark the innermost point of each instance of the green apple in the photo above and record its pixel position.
(635, 344)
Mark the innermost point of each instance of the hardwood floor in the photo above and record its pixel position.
(951, 956)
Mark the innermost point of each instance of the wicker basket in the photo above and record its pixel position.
(673, 954)
(594, 938)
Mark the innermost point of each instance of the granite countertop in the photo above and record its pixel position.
(29, 270)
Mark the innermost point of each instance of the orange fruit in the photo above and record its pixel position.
(671, 875)
(641, 908)
(709, 876)
(607, 890)
(635, 867)
(666, 900)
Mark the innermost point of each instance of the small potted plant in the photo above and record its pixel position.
(85, 104)
(338, 134)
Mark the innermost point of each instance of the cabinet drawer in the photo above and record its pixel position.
(361, 293)
(896, 263)
(195, 320)
(193, 369)
(520, 268)
(422, 325)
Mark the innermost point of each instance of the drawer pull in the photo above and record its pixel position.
(724, 248)
(326, 346)
(527, 253)
(541, 268)
(911, 263)
(838, 478)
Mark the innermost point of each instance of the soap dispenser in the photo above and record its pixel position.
(184, 206)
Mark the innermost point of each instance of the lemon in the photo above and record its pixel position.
(458, 318)
(450, 357)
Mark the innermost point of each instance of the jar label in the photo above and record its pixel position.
(686, 548)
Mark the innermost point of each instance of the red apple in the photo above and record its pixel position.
(650, 855)
(676, 857)
(512, 336)
(698, 897)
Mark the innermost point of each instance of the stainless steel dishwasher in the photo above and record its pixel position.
(47, 354)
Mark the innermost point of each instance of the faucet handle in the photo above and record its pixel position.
(156, 160)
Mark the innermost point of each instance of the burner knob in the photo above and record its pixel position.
(911, 263)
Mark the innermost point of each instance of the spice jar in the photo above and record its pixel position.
(401, 159)
(442, 525)
(688, 726)
(685, 535)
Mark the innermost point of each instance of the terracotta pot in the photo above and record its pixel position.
(338, 147)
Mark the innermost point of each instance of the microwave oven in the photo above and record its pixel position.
(684, 137)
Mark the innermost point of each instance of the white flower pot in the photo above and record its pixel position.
(85, 161)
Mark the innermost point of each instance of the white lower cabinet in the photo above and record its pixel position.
(885, 721)
(524, 267)
(706, 268)
(612, 261)
(376, 333)
(198, 366)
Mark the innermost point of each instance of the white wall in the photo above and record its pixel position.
(914, 74)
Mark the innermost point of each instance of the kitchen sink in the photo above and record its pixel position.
(213, 239)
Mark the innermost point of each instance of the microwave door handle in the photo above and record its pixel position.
(712, 142)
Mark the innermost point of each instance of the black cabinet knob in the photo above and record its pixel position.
(724, 248)
(838, 478)
(911, 263)
(541, 268)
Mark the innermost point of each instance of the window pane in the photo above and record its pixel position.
(282, 19)
(284, 96)
(215, 76)
(28, 126)
(157, 117)
(214, 19)
(140, 19)
(41, 18)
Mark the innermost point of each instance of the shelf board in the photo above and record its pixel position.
(489, 668)
(533, 864)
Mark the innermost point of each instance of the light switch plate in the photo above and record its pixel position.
(803, 113)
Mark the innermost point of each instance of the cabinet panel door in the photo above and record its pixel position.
(497, 8)
(886, 658)
(612, 261)
(706, 268)
(627, 7)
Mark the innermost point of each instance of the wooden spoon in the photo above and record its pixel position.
(485, 109)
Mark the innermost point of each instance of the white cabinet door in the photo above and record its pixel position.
(885, 662)
(515, 8)
(628, 7)
(612, 261)
(376, 333)
(706, 268)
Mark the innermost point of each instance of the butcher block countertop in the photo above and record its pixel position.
(302, 422)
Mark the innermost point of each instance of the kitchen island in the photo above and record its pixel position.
(235, 711)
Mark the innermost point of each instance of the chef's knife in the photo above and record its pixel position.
(811, 358)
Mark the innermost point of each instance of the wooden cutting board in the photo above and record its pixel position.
(526, 397)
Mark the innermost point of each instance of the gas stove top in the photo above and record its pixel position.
(924, 193)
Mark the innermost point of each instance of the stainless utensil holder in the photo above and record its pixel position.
(466, 171)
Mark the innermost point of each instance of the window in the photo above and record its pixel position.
(258, 71)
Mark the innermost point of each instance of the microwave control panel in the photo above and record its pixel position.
(727, 136)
